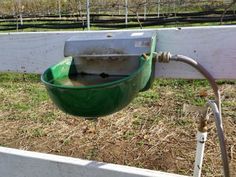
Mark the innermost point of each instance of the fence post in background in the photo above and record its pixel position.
(158, 8)
(101, 5)
(20, 9)
(88, 14)
(119, 9)
(59, 8)
(174, 7)
(126, 12)
(145, 10)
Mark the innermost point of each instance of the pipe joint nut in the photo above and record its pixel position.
(164, 57)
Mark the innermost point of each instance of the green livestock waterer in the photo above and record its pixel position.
(101, 74)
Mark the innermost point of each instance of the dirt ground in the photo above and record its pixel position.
(153, 132)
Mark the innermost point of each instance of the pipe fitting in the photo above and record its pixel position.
(164, 57)
(203, 125)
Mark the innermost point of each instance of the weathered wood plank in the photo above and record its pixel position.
(213, 47)
(19, 163)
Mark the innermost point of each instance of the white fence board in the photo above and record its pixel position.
(31, 52)
(213, 47)
(19, 163)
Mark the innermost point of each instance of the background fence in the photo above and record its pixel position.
(67, 14)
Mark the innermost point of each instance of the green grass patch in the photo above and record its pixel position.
(24, 97)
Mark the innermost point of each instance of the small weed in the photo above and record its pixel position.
(137, 122)
(198, 101)
(128, 135)
(65, 141)
(48, 117)
(92, 153)
(149, 97)
(38, 132)
(21, 106)
(141, 143)
(183, 122)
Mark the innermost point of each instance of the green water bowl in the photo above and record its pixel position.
(97, 100)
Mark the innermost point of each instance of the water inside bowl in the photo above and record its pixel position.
(83, 79)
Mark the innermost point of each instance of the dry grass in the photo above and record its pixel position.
(152, 132)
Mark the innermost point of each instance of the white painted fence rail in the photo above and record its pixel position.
(18, 163)
(213, 47)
